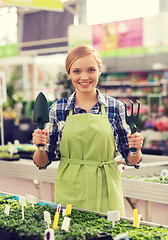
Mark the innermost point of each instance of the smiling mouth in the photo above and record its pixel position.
(85, 84)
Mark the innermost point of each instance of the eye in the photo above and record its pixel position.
(76, 71)
(91, 69)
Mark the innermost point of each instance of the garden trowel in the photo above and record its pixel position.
(41, 115)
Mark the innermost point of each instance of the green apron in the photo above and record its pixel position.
(87, 175)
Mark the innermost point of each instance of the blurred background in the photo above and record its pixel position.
(132, 39)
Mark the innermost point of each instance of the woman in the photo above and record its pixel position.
(85, 130)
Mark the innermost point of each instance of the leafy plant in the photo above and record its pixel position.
(7, 155)
(14, 95)
(159, 179)
(83, 225)
(65, 82)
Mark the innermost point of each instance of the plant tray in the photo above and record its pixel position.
(26, 154)
(10, 159)
(88, 224)
(4, 235)
(144, 190)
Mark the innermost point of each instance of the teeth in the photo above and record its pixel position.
(84, 83)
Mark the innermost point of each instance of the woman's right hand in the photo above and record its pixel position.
(40, 137)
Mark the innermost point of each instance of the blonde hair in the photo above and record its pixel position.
(80, 51)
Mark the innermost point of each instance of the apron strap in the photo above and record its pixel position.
(103, 110)
(99, 165)
(99, 186)
(87, 162)
(71, 112)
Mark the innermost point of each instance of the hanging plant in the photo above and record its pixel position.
(65, 83)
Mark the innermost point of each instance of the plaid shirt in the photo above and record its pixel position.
(115, 110)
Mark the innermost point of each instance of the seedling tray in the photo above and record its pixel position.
(6, 235)
(26, 154)
(10, 236)
(144, 190)
(10, 159)
(89, 224)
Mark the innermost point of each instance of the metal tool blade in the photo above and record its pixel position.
(41, 114)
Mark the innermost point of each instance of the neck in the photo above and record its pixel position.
(86, 97)
(86, 100)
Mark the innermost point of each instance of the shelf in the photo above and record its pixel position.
(144, 84)
(16, 169)
(143, 190)
(152, 194)
(128, 84)
(41, 183)
(129, 89)
(155, 151)
(128, 96)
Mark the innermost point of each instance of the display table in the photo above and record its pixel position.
(84, 224)
(23, 177)
(26, 169)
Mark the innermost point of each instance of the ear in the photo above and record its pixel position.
(99, 72)
(68, 76)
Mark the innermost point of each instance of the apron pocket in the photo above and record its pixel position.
(80, 195)
(64, 192)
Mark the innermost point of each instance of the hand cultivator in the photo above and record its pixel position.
(131, 121)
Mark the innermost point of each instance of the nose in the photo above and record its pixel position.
(84, 76)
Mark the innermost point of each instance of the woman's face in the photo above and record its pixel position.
(85, 73)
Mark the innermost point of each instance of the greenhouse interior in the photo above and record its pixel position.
(108, 184)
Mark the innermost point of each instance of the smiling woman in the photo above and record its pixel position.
(99, 11)
(92, 126)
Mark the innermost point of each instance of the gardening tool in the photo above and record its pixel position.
(131, 121)
(41, 115)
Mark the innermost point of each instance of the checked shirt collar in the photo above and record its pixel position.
(71, 100)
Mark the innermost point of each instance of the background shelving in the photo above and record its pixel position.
(134, 84)
(151, 89)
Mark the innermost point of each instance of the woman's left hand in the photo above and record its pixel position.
(135, 140)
